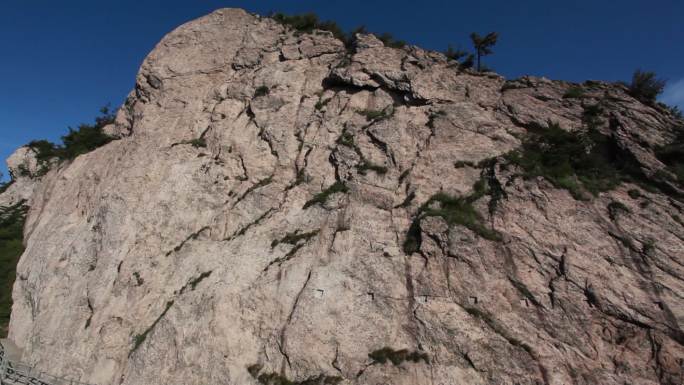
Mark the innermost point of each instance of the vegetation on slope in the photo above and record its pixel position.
(272, 378)
(578, 162)
(11, 247)
(587, 162)
(646, 86)
(83, 139)
(458, 211)
(322, 197)
(308, 22)
(397, 357)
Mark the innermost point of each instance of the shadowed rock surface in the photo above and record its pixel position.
(250, 226)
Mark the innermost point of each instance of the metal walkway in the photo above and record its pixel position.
(15, 372)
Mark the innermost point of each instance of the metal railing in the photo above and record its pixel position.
(19, 373)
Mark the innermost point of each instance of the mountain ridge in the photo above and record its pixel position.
(250, 224)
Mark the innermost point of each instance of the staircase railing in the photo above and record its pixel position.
(19, 373)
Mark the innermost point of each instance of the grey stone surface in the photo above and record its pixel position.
(153, 261)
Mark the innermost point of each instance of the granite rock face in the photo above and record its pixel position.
(206, 245)
(24, 169)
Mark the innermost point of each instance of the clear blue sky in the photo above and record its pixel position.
(63, 59)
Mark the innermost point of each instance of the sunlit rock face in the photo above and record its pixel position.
(250, 225)
(24, 168)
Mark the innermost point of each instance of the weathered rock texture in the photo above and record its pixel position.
(24, 168)
(169, 256)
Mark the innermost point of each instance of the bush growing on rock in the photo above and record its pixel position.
(456, 211)
(575, 92)
(397, 357)
(455, 54)
(615, 208)
(367, 165)
(634, 193)
(322, 197)
(261, 91)
(646, 86)
(389, 40)
(81, 140)
(308, 22)
(575, 161)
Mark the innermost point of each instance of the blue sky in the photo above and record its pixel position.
(62, 60)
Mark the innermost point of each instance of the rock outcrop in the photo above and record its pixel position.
(24, 170)
(268, 214)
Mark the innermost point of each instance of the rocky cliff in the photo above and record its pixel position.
(282, 209)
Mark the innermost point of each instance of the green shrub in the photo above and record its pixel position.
(455, 54)
(413, 238)
(198, 143)
(86, 138)
(261, 91)
(254, 370)
(459, 211)
(346, 139)
(376, 114)
(364, 167)
(634, 193)
(468, 62)
(390, 41)
(308, 22)
(463, 163)
(648, 247)
(676, 112)
(575, 92)
(397, 357)
(322, 103)
(45, 150)
(615, 208)
(591, 116)
(294, 238)
(278, 379)
(646, 86)
(575, 161)
(322, 197)
(138, 279)
(11, 247)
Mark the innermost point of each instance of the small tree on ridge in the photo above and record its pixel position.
(483, 45)
(646, 86)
